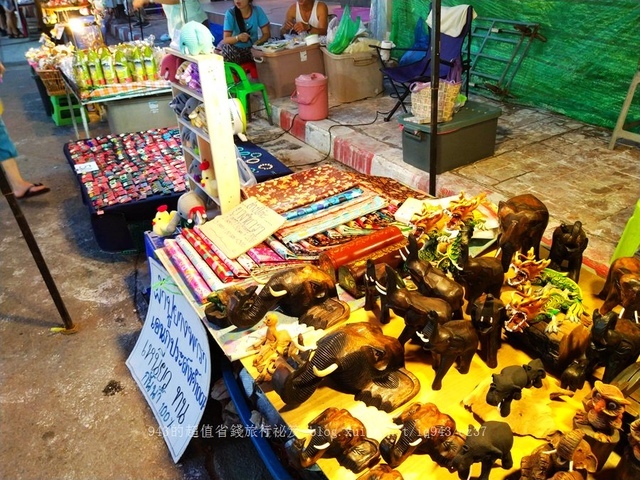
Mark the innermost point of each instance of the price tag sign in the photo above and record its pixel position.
(171, 362)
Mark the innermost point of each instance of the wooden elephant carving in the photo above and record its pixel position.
(488, 315)
(337, 433)
(422, 427)
(622, 287)
(523, 220)
(567, 246)
(508, 384)
(454, 341)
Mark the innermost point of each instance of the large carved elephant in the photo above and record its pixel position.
(488, 315)
(492, 441)
(294, 291)
(622, 287)
(431, 281)
(422, 427)
(508, 384)
(411, 305)
(336, 433)
(360, 359)
(567, 245)
(523, 220)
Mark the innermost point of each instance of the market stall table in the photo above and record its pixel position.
(154, 92)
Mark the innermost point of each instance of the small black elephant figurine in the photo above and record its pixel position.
(508, 384)
(492, 441)
(488, 315)
(567, 245)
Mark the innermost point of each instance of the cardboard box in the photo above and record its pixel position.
(469, 137)
(278, 70)
(352, 76)
(141, 113)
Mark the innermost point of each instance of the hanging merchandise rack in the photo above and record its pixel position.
(498, 49)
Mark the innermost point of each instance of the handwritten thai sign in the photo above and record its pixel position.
(171, 362)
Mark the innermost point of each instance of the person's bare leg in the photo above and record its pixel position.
(18, 184)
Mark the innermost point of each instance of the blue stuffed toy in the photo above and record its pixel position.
(196, 39)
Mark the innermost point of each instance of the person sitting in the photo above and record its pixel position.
(308, 16)
(245, 25)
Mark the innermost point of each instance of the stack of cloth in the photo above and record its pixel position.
(323, 207)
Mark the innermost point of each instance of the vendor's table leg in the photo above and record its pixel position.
(73, 114)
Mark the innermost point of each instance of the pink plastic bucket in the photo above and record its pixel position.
(312, 96)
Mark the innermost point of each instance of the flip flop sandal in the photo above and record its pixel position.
(33, 193)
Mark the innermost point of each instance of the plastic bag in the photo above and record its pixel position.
(347, 31)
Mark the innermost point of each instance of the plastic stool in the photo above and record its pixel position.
(630, 239)
(251, 69)
(61, 112)
(240, 87)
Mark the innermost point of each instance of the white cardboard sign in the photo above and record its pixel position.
(171, 362)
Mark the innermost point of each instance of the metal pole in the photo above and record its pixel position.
(35, 251)
(435, 82)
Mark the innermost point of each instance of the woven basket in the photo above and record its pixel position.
(447, 95)
(53, 82)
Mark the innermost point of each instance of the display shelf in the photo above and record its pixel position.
(214, 97)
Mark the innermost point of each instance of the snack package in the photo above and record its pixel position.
(150, 65)
(81, 70)
(108, 67)
(138, 66)
(95, 68)
(122, 68)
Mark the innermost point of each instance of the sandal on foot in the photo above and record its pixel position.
(34, 190)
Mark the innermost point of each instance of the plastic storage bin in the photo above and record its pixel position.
(352, 76)
(278, 70)
(470, 136)
(142, 113)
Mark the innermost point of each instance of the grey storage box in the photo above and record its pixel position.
(140, 114)
(468, 137)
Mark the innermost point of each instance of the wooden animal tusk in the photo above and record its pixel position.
(326, 371)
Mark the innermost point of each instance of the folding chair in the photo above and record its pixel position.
(239, 86)
(402, 76)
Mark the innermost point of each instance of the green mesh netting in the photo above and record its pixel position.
(583, 70)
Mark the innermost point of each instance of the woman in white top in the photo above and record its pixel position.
(308, 16)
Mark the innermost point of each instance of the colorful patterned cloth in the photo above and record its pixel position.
(124, 89)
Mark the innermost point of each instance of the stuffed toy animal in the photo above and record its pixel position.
(190, 140)
(189, 107)
(196, 39)
(169, 66)
(208, 181)
(198, 118)
(165, 222)
(178, 103)
(192, 208)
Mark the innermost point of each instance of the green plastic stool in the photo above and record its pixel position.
(61, 111)
(239, 86)
(629, 243)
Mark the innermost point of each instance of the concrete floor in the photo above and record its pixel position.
(59, 420)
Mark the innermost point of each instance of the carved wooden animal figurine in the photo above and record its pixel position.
(601, 420)
(492, 441)
(360, 359)
(563, 451)
(454, 341)
(381, 472)
(411, 305)
(613, 342)
(422, 427)
(523, 220)
(508, 384)
(477, 275)
(629, 466)
(488, 315)
(622, 287)
(431, 281)
(337, 433)
(567, 246)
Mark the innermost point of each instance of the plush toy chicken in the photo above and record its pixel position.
(165, 222)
